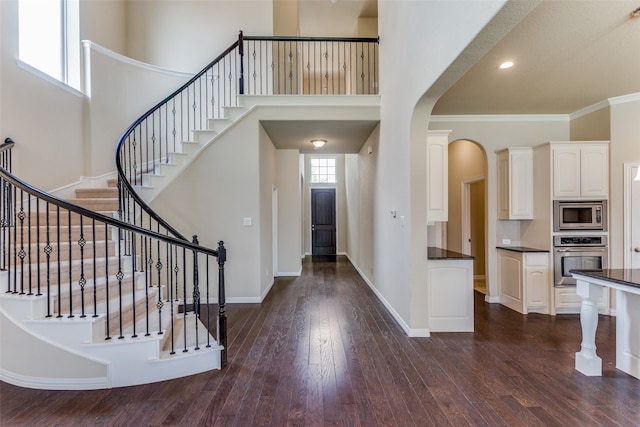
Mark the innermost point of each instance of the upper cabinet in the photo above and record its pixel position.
(437, 175)
(580, 170)
(515, 183)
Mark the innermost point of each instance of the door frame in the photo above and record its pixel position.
(274, 228)
(466, 212)
(321, 187)
(627, 196)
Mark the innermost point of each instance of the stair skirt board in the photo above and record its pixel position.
(58, 353)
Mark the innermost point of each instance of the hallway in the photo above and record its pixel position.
(322, 350)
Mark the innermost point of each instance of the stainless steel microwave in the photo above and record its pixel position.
(575, 216)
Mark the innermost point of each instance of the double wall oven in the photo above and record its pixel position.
(580, 242)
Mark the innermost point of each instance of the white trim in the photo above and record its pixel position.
(54, 383)
(50, 79)
(501, 118)
(588, 110)
(491, 300)
(632, 97)
(412, 333)
(626, 215)
(133, 62)
(290, 273)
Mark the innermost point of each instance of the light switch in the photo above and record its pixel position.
(401, 220)
(246, 221)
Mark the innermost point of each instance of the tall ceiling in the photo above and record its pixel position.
(568, 54)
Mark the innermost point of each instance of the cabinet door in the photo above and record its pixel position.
(594, 171)
(566, 172)
(437, 175)
(503, 185)
(537, 282)
(521, 185)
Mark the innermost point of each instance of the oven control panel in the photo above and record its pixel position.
(580, 241)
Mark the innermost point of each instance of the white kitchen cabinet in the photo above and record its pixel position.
(515, 183)
(437, 175)
(580, 170)
(450, 295)
(524, 280)
(567, 301)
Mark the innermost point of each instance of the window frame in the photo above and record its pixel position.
(335, 170)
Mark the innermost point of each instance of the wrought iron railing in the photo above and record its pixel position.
(250, 66)
(88, 264)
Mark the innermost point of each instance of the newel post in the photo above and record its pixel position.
(222, 314)
(241, 53)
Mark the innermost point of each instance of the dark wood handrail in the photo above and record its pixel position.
(18, 183)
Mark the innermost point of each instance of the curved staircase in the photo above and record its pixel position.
(87, 304)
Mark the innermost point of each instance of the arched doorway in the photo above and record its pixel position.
(466, 229)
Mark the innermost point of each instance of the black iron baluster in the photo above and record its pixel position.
(106, 286)
(69, 250)
(29, 246)
(21, 253)
(39, 292)
(83, 281)
(196, 290)
(241, 55)
(47, 250)
(184, 298)
(95, 262)
(147, 283)
(222, 314)
(171, 306)
(120, 276)
(159, 302)
(59, 296)
(208, 259)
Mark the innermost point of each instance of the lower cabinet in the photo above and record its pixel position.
(450, 295)
(524, 280)
(569, 302)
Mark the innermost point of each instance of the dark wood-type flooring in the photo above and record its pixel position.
(322, 350)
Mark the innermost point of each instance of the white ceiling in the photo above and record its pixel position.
(569, 55)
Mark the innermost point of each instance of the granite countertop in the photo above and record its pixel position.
(521, 249)
(439, 253)
(624, 276)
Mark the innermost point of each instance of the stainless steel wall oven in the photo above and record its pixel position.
(578, 253)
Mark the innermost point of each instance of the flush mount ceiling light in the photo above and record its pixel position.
(505, 65)
(318, 143)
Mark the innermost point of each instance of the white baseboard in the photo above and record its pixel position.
(491, 300)
(413, 333)
(54, 383)
(290, 273)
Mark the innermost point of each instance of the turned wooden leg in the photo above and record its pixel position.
(587, 361)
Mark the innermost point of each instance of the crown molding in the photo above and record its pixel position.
(502, 118)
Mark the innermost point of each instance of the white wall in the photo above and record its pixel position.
(186, 35)
(289, 212)
(413, 62)
(624, 148)
(360, 177)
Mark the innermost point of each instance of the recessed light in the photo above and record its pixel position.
(506, 64)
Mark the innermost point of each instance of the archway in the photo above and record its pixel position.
(467, 225)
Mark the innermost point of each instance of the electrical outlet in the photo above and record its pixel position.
(506, 241)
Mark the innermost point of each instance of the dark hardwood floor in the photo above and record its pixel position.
(321, 350)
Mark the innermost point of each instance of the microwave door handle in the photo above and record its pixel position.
(599, 216)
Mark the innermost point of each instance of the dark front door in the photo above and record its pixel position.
(323, 221)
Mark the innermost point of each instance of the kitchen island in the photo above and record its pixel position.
(590, 286)
(450, 291)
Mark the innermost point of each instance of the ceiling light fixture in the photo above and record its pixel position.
(506, 64)
(318, 143)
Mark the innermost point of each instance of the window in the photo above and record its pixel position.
(49, 38)
(323, 170)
